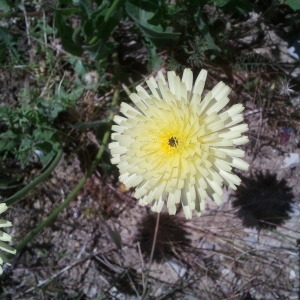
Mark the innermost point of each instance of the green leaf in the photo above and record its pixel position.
(86, 7)
(6, 41)
(205, 30)
(155, 33)
(163, 15)
(44, 134)
(67, 12)
(96, 24)
(46, 151)
(4, 6)
(101, 49)
(241, 6)
(154, 60)
(77, 65)
(68, 35)
(73, 96)
(149, 5)
(105, 19)
(293, 4)
(50, 108)
(7, 145)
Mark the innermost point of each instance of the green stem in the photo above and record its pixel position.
(81, 183)
(20, 194)
(111, 9)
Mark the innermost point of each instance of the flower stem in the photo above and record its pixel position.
(151, 257)
(81, 183)
(154, 239)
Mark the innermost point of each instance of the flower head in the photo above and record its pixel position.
(4, 237)
(176, 146)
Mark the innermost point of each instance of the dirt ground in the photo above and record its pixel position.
(99, 246)
(93, 251)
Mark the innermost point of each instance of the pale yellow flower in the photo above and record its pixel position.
(4, 237)
(176, 146)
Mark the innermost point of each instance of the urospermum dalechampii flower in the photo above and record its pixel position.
(177, 147)
(4, 237)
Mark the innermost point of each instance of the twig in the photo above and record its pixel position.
(48, 280)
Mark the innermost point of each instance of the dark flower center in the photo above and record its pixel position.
(173, 141)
